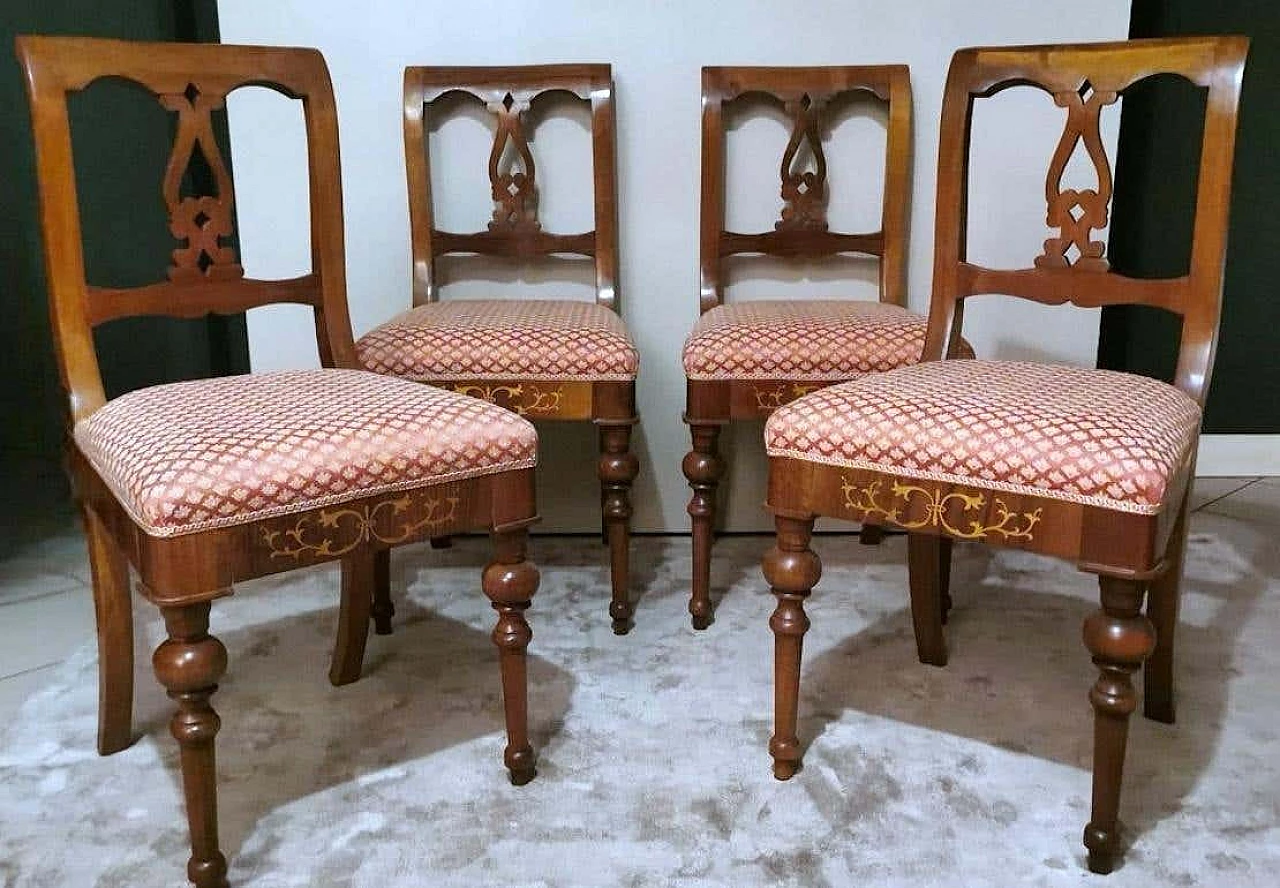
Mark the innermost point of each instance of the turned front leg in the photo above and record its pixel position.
(617, 470)
(792, 570)
(703, 468)
(189, 664)
(510, 582)
(1120, 638)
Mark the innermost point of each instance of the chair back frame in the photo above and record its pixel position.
(1084, 78)
(805, 94)
(205, 276)
(514, 231)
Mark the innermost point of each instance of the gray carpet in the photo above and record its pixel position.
(653, 765)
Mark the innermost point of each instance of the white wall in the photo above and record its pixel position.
(657, 49)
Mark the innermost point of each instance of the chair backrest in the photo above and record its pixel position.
(205, 276)
(1082, 79)
(806, 96)
(514, 231)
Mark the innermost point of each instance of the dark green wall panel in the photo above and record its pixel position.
(121, 138)
(1159, 149)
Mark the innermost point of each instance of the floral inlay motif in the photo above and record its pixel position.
(1009, 525)
(338, 531)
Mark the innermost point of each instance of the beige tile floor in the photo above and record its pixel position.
(46, 608)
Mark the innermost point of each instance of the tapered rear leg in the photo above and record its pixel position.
(944, 577)
(1164, 600)
(113, 610)
(928, 572)
(381, 609)
(359, 580)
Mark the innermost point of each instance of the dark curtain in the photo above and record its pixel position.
(121, 138)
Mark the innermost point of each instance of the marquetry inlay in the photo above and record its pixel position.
(865, 499)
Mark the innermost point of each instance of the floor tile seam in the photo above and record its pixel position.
(75, 585)
(1231, 493)
(29, 670)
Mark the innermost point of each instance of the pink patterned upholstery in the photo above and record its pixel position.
(502, 339)
(818, 340)
(1087, 436)
(216, 452)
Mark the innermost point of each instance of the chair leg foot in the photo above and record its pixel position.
(113, 610)
(1102, 847)
(792, 570)
(189, 664)
(703, 468)
(382, 609)
(784, 769)
(617, 470)
(510, 582)
(1120, 638)
(442, 542)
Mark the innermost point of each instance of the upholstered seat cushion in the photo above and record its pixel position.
(819, 340)
(216, 452)
(1096, 437)
(502, 339)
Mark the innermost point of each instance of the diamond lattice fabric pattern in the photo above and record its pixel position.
(818, 339)
(216, 452)
(503, 339)
(1089, 436)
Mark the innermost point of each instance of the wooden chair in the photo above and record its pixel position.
(743, 361)
(202, 484)
(543, 359)
(1089, 465)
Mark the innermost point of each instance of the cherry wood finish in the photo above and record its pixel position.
(807, 97)
(183, 574)
(1137, 557)
(515, 232)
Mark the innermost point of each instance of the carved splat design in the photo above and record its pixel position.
(202, 221)
(1076, 214)
(804, 191)
(515, 194)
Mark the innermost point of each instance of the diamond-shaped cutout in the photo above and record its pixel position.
(1085, 91)
(192, 92)
(803, 187)
(201, 219)
(512, 188)
(508, 101)
(1076, 212)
